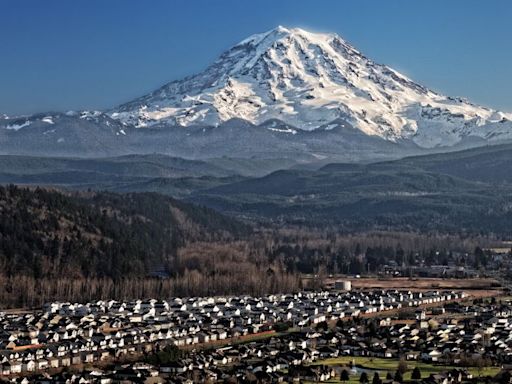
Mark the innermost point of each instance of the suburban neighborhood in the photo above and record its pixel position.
(276, 338)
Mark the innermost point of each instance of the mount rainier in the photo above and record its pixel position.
(283, 93)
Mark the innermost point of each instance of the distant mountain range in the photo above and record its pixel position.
(286, 94)
(466, 191)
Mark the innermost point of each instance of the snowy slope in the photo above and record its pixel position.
(308, 80)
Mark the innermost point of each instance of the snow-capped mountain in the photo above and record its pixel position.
(310, 80)
(283, 94)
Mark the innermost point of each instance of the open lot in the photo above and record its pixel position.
(419, 283)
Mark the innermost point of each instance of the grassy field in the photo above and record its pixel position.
(383, 366)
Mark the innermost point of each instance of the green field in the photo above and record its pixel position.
(383, 366)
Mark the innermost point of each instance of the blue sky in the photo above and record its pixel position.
(60, 54)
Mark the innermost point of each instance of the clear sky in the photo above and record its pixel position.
(57, 55)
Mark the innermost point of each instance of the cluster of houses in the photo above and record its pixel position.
(63, 335)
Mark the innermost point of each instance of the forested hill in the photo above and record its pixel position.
(53, 234)
(460, 192)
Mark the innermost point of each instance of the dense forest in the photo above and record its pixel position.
(89, 245)
(51, 234)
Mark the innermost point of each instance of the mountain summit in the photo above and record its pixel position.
(311, 80)
(286, 94)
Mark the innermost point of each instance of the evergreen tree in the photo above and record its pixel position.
(416, 374)
(505, 377)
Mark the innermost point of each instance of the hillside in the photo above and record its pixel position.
(50, 234)
(489, 164)
(460, 191)
(369, 198)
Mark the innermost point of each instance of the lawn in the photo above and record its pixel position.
(383, 366)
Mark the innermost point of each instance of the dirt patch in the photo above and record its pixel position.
(419, 284)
